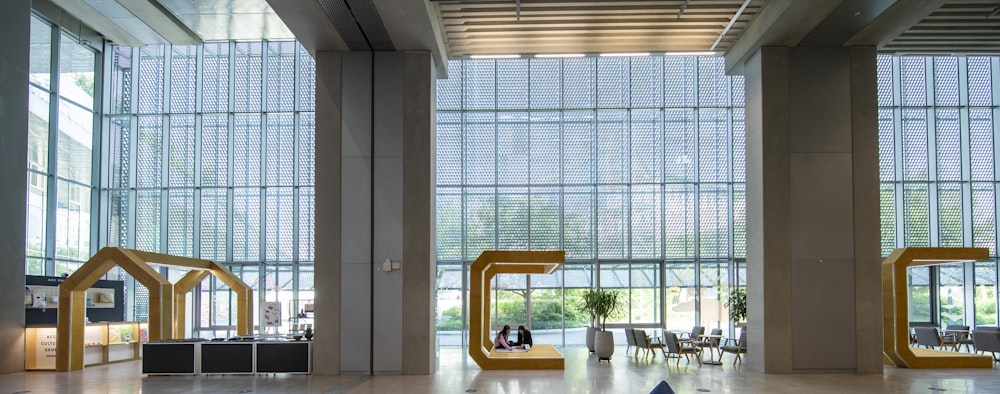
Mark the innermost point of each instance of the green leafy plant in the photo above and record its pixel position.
(602, 304)
(737, 304)
(591, 299)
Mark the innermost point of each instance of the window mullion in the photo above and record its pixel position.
(52, 192)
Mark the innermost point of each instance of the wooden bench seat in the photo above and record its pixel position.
(541, 356)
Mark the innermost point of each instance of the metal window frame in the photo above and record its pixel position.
(193, 235)
(965, 183)
(596, 261)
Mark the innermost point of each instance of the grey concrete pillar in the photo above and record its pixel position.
(419, 179)
(14, 61)
(327, 305)
(375, 200)
(812, 210)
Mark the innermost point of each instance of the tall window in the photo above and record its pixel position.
(210, 155)
(62, 103)
(635, 166)
(937, 166)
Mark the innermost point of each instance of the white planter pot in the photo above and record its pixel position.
(591, 331)
(604, 344)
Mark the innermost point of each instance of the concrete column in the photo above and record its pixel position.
(356, 173)
(419, 270)
(14, 61)
(812, 210)
(326, 348)
(376, 154)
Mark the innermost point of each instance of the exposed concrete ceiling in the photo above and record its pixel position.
(931, 27)
(781, 23)
(110, 19)
(364, 25)
(413, 27)
(310, 25)
(845, 21)
(228, 19)
(178, 22)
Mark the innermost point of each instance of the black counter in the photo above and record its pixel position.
(284, 357)
(227, 357)
(170, 358)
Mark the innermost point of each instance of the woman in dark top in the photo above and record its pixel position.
(523, 338)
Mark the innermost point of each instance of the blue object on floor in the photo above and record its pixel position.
(662, 388)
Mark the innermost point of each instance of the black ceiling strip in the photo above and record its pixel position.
(371, 25)
(343, 21)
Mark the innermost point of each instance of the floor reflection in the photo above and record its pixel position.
(456, 373)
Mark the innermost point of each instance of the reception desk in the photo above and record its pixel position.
(184, 357)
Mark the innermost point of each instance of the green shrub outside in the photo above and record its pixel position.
(545, 315)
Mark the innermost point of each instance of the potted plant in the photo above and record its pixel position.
(591, 298)
(608, 304)
(737, 305)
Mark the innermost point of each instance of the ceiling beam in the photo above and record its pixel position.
(308, 22)
(780, 23)
(162, 21)
(893, 22)
(414, 26)
(100, 23)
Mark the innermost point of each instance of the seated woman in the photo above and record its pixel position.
(500, 342)
(523, 338)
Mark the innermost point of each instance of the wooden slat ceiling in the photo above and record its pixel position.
(584, 26)
(957, 27)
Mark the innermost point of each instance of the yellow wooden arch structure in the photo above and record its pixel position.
(482, 272)
(166, 301)
(895, 309)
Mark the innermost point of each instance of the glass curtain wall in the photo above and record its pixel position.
(208, 153)
(635, 166)
(63, 100)
(938, 171)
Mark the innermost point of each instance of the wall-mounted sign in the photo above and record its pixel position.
(272, 314)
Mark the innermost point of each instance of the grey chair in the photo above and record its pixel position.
(972, 341)
(629, 339)
(737, 347)
(677, 348)
(930, 337)
(643, 342)
(959, 336)
(987, 339)
(914, 325)
(695, 332)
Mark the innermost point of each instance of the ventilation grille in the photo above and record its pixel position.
(359, 24)
(371, 24)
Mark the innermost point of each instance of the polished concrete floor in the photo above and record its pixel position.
(457, 374)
